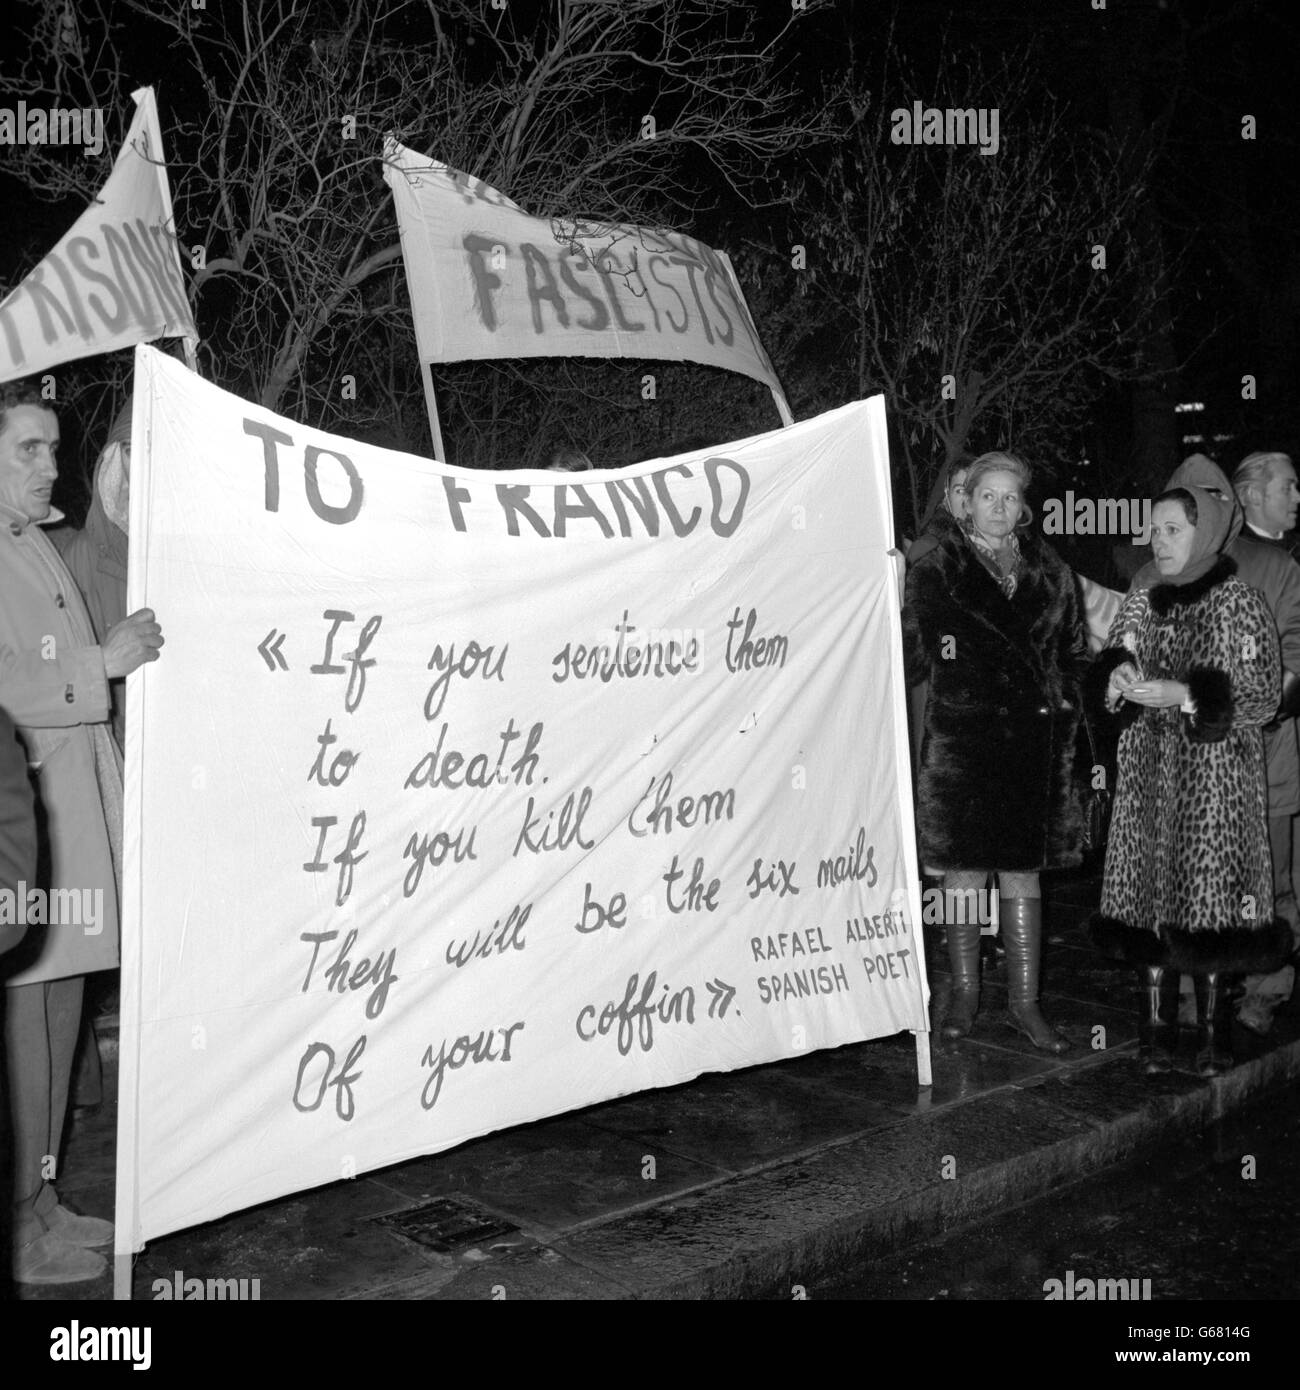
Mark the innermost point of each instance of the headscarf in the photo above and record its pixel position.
(1218, 521)
(1004, 565)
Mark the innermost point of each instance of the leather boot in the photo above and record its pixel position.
(1212, 1055)
(1022, 930)
(964, 958)
(1157, 1019)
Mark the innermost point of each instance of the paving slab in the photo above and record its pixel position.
(554, 1174)
(735, 1185)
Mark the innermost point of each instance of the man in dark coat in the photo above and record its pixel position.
(1265, 484)
(17, 873)
(1264, 562)
(17, 829)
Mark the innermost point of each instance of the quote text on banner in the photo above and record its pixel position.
(115, 279)
(489, 281)
(461, 799)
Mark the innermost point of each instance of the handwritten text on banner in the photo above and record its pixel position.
(115, 279)
(489, 281)
(461, 799)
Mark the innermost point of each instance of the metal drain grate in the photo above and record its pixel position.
(447, 1224)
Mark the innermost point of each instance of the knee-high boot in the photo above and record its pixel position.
(964, 958)
(1212, 1055)
(1157, 1019)
(1022, 930)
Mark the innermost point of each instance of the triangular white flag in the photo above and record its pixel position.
(115, 278)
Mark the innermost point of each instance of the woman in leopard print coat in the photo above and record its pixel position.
(1191, 669)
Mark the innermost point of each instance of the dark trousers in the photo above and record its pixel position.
(42, 1022)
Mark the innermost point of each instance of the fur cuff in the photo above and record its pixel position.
(1234, 951)
(1211, 692)
(1117, 939)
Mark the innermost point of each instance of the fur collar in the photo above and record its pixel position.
(1165, 598)
(1022, 624)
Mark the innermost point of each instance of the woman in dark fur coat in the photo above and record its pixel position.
(992, 621)
(1191, 669)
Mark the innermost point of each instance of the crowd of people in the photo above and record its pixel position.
(1198, 668)
(1197, 673)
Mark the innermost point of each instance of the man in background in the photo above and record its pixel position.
(1266, 488)
(97, 557)
(97, 554)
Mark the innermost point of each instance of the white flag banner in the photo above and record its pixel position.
(489, 281)
(458, 799)
(115, 278)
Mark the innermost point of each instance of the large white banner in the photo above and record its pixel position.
(460, 799)
(115, 279)
(489, 281)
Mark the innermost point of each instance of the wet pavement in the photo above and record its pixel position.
(1208, 1216)
(735, 1185)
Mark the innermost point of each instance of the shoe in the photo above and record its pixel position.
(964, 958)
(1157, 1019)
(1022, 930)
(1212, 1057)
(83, 1231)
(50, 1260)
